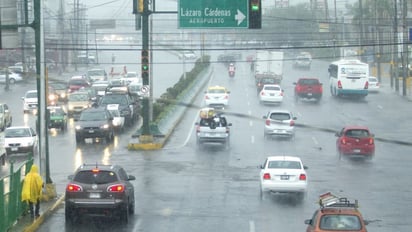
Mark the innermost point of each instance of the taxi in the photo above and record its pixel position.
(217, 97)
(336, 214)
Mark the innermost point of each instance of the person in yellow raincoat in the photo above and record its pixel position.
(32, 190)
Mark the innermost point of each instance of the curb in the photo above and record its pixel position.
(39, 221)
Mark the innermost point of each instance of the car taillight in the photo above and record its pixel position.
(366, 85)
(267, 122)
(292, 123)
(262, 93)
(266, 176)
(371, 141)
(206, 97)
(281, 94)
(377, 84)
(227, 130)
(339, 84)
(197, 129)
(226, 96)
(119, 188)
(302, 177)
(74, 188)
(343, 141)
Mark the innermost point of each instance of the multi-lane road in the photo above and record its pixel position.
(183, 188)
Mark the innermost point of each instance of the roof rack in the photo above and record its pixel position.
(330, 200)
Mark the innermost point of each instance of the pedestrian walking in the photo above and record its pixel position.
(32, 191)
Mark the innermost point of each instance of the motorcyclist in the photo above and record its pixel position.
(232, 68)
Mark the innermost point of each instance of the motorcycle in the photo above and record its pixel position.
(231, 71)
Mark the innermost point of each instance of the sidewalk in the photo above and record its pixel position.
(27, 224)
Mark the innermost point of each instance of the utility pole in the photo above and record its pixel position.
(361, 28)
(396, 50)
(405, 52)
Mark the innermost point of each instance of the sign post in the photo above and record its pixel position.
(213, 14)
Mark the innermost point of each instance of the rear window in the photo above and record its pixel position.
(273, 88)
(216, 91)
(283, 164)
(280, 116)
(340, 222)
(100, 177)
(357, 133)
(308, 82)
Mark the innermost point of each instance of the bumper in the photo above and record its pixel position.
(357, 151)
(353, 92)
(310, 95)
(217, 138)
(12, 150)
(280, 132)
(271, 99)
(217, 103)
(93, 207)
(92, 133)
(295, 187)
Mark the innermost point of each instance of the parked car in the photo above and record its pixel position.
(336, 214)
(212, 128)
(13, 77)
(20, 139)
(271, 94)
(99, 190)
(96, 122)
(279, 123)
(6, 118)
(355, 141)
(57, 118)
(30, 101)
(308, 88)
(283, 174)
(217, 96)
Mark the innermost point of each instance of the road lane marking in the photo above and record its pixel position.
(252, 226)
(315, 141)
(252, 139)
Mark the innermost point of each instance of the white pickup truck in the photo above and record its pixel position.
(213, 129)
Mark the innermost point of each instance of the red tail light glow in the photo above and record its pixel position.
(371, 141)
(302, 177)
(266, 176)
(292, 123)
(366, 85)
(198, 129)
(74, 188)
(119, 188)
(206, 97)
(267, 122)
(343, 141)
(339, 84)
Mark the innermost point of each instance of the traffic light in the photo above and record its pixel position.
(255, 14)
(145, 64)
(138, 6)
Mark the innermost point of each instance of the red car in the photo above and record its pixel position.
(355, 141)
(77, 82)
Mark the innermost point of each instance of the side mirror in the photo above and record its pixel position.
(366, 222)
(229, 124)
(372, 135)
(294, 118)
(295, 83)
(337, 134)
(264, 117)
(308, 222)
(70, 177)
(305, 167)
(196, 124)
(228, 91)
(130, 177)
(261, 166)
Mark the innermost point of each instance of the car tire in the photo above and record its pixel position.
(79, 139)
(124, 215)
(12, 81)
(131, 208)
(3, 159)
(69, 215)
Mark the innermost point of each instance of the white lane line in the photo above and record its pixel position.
(252, 226)
(251, 123)
(252, 139)
(380, 107)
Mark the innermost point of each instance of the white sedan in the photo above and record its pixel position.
(373, 84)
(217, 97)
(13, 77)
(271, 94)
(283, 174)
(20, 139)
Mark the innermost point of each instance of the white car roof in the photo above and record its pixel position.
(289, 158)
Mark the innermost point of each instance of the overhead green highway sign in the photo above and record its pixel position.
(213, 14)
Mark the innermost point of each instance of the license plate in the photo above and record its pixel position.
(284, 177)
(91, 131)
(94, 195)
(272, 94)
(14, 148)
(356, 150)
(309, 94)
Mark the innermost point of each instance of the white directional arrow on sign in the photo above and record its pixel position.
(239, 17)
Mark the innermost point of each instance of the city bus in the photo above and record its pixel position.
(348, 78)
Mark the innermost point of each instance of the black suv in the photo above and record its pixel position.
(95, 123)
(99, 190)
(128, 107)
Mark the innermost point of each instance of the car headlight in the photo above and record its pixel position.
(78, 127)
(105, 126)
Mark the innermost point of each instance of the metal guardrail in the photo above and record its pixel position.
(11, 206)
